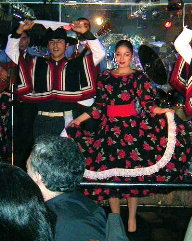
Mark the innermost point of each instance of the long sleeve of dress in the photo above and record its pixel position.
(99, 106)
(145, 93)
(182, 44)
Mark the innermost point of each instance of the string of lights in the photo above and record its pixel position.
(21, 11)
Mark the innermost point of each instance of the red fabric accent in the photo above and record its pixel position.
(121, 110)
(54, 97)
(100, 104)
(56, 73)
(25, 70)
(93, 72)
(152, 108)
(56, 91)
(188, 101)
(180, 80)
(176, 80)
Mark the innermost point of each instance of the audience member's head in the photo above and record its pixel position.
(86, 22)
(56, 165)
(70, 47)
(24, 41)
(23, 215)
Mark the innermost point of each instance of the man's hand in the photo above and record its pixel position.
(27, 25)
(78, 27)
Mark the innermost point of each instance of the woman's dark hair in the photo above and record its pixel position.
(125, 43)
(23, 215)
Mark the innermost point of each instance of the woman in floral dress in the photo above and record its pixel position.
(136, 140)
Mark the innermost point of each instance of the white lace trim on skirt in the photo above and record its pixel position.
(99, 175)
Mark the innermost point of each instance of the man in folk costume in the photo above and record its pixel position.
(24, 113)
(181, 78)
(55, 84)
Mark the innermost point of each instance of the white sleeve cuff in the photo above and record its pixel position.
(12, 49)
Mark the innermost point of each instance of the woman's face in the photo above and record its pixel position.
(123, 56)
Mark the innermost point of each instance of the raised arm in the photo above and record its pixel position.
(95, 46)
(12, 48)
(182, 44)
(97, 50)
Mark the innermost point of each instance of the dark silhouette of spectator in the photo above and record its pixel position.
(57, 166)
(23, 213)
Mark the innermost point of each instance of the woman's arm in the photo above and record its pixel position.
(159, 111)
(146, 95)
(81, 118)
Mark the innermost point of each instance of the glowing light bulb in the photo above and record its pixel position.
(99, 21)
(168, 24)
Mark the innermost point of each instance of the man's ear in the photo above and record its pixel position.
(37, 178)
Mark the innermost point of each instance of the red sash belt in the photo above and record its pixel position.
(121, 110)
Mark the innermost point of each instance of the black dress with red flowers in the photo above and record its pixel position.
(131, 148)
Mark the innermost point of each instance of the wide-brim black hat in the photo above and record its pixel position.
(59, 33)
(40, 36)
